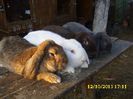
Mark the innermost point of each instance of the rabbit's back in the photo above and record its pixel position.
(76, 27)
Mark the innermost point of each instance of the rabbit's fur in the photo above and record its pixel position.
(76, 27)
(59, 30)
(77, 56)
(87, 40)
(41, 62)
(103, 41)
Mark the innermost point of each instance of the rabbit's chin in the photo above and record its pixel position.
(84, 65)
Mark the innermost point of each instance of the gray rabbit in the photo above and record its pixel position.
(103, 41)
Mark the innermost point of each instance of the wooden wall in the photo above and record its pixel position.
(85, 9)
(45, 12)
(68, 12)
(2, 15)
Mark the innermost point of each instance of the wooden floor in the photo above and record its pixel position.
(14, 86)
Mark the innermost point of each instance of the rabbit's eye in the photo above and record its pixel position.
(51, 54)
(72, 51)
(85, 42)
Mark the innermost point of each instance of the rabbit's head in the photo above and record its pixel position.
(88, 43)
(55, 58)
(76, 53)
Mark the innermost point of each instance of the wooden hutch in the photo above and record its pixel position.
(18, 16)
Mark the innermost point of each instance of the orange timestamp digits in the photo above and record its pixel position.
(107, 86)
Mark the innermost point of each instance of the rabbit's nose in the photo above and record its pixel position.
(57, 58)
(86, 61)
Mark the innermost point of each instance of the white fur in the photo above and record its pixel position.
(77, 59)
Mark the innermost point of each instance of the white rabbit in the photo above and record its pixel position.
(77, 56)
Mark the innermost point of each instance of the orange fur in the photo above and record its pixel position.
(31, 61)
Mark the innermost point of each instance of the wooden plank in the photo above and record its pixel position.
(13, 84)
(41, 90)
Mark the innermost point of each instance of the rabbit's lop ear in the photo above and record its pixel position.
(45, 43)
(50, 41)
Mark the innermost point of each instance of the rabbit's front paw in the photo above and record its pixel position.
(50, 77)
(69, 70)
(54, 79)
